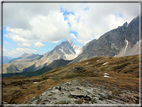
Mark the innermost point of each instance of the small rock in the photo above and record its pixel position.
(4, 102)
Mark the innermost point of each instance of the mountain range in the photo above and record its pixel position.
(5, 59)
(122, 41)
(26, 57)
(33, 62)
(119, 42)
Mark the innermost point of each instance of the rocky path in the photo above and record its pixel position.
(75, 92)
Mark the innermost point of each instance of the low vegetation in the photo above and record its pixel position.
(123, 72)
(63, 102)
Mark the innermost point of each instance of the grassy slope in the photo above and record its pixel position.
(123, 70)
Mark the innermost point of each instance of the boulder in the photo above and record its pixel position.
(77, 93)
(55, 91)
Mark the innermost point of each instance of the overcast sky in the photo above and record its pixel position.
(39, 27)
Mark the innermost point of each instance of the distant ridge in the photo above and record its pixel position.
(25, 57)
(33, 62)
(54, 64)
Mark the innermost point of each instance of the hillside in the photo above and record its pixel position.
(18, 64)
(122, 78)
(54, 64)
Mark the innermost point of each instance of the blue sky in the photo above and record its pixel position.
(38, 30)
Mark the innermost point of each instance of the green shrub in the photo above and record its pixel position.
(93, 100)
(63, 102)
(80, 101)
(70, 96)
(93, 95)
(116, 92)
(120, 66)
(45, 77)
(136, 60)
(50, 95)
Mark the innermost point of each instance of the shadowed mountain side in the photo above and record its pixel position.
(54, 64)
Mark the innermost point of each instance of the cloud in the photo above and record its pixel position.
(38, 44)
(25, 12)
(45, 22)
(18, 51)
(45, 29)
(6, 35)
(24, 44)
(7, 43)
(99, 18)
(4, 49)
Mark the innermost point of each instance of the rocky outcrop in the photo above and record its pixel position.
(76, 92)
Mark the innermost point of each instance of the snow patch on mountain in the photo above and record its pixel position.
(125, 47)
(105, 63)
(67, 50)
(126, 44)
(77, 49)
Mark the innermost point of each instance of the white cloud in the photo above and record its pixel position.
(45, 29)
(18, 51)
(45, 23)
(99, 18)
(24, 44)
(38, 44)
(6, 35)
(4, 49)
(7, 43)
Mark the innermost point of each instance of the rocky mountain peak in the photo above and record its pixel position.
(125, 24)
(114, 42)
(25, 54)
(70, 41)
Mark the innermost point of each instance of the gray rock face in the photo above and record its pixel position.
(112, 42)
(63, 51)
(75, 92)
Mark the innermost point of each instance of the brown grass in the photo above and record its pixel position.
(124, 73)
